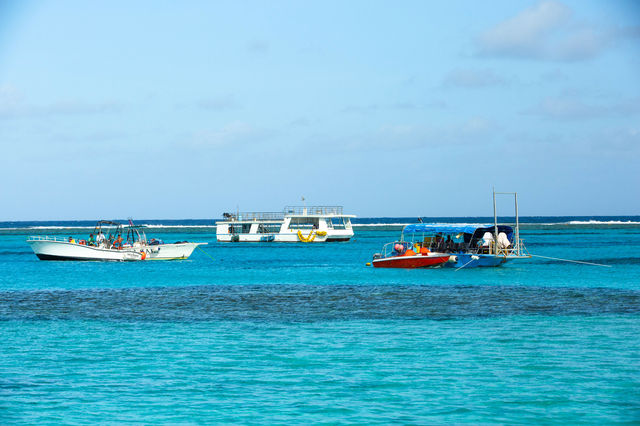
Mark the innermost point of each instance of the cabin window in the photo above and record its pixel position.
(303, 223)
(240, 228)
(269, 228)
(337, 222)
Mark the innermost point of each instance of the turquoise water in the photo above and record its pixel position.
(277, 333)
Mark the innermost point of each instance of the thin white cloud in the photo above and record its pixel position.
(617, 141)
(361, 109)
(574, 108)
(525, 33)
(400, 105)
(9, 95)
(468, 78)
(258, 46)
(218, 103)
(563, 108)
(419, 136)
(14, 105)
(236, 134)
(97, 136)
(300, 122)
(549, 31)
(554, 76)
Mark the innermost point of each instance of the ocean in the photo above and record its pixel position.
(295, 333)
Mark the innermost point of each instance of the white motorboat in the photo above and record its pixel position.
(110, 241)
(316, 224)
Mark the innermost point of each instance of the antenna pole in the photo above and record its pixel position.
(495, 223)
(515, 196)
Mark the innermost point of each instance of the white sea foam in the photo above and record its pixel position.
(160, 226)
(90, 227)
(602, 222)
(54, 227)
(363, 226)
(373, 225)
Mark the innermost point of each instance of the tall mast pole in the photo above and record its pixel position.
(515, 195)
(495, 223)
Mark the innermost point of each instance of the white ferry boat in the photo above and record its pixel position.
(317, 224)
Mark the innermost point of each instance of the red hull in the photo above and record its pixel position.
(409, 262)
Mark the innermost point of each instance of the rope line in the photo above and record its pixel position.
(208, 255)
(457, 269)
(574, 261)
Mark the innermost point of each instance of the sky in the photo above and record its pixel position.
(161, 109)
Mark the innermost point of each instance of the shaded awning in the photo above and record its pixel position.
(444, 228)
(450, 229)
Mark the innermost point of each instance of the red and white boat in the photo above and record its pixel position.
(400, 254)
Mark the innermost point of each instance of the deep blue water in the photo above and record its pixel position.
(277, 333)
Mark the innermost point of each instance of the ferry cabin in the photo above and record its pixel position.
(294, 224)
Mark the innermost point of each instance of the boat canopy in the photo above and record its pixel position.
(470, 230)
(431, 228)
(133, 233)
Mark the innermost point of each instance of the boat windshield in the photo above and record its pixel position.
(135, 234)
(396, 248)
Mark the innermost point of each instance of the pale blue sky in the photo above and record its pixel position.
(188, 109)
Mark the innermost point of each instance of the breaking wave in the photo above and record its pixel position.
(602, 222)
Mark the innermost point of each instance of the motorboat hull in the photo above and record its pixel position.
(62, 250)
(468, 260)
(177, 251)
(411, 262)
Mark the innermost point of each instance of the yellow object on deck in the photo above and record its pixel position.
(309, 238)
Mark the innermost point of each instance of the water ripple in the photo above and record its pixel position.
(310, 303)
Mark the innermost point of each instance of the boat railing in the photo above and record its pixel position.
(255, 216)
(517, 249)
(313, 210)
(288, 211)
(47, 238)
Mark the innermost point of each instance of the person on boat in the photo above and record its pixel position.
(503, 241)
(117, 243)
(448, 245)
(487, 240)
(435, 243)
(100, 238)
(474, 243)
(398, 249)
(71, 240)
(92, 240)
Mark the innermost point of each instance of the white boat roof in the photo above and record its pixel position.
(289, 211)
